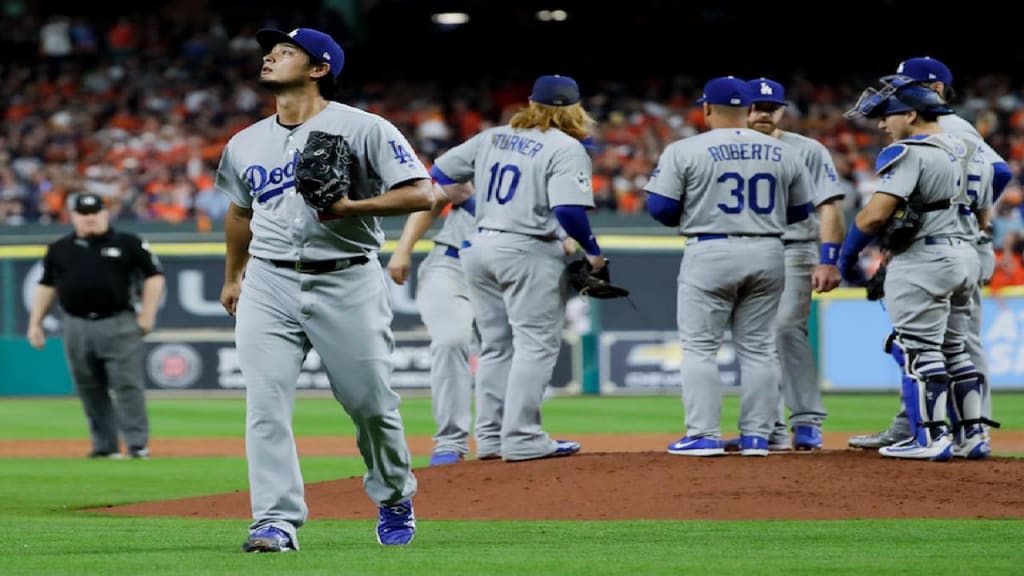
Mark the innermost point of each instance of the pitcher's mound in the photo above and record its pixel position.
(831, 484)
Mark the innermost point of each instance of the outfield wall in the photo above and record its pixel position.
(609, 346)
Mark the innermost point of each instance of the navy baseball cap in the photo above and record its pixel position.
(766, 90)
(87, 203)
(320, 47)
(555, 91)
(725, 91)
(925, 69)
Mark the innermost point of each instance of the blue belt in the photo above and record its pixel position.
(706, 237)
(452, 252)
(943, 241)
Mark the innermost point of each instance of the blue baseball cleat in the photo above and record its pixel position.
(703, 446)
(807, 438)
(396, 524)
(445, 457)
(268, 539)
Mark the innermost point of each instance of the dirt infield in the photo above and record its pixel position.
(620, 477)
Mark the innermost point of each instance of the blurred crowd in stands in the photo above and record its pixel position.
(137, 111)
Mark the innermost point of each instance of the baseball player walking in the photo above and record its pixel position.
(934, 74)
(312, 279)
(529, 176)
(442, 297)
(808, 267)
(731, 191)
(932, 270)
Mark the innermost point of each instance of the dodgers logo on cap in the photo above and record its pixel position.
(320, 46)
(766, 90)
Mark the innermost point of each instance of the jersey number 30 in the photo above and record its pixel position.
(503, 183)
(749, 192)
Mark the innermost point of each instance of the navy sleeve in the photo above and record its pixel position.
(441, 177)
(1000, 178)
(799, 213)
(663, 209)
(575, 222)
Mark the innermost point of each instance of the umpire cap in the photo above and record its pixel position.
(87, 203)
(320, 47)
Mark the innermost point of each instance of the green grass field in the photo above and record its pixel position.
(43, 531)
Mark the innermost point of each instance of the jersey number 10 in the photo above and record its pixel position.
(745, 192)
(503, 183)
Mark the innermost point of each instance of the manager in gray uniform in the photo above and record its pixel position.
(933, 267)
(731, 191)
(529, 177)
(94, 271)
(312, 279)
(442, 297)
(809, 267)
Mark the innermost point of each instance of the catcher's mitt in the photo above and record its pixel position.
(876, 285)
(323, 170)
(598, 284)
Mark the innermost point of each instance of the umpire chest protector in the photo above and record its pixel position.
(904, 225)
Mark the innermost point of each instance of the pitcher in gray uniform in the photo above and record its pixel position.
(731, 191)
(313, 280)
(808, 267)
(529, 177)
(442, 298)
(937, 76)
(933, 266)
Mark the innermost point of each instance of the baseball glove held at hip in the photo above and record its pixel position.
(323, 171)
(598, 284)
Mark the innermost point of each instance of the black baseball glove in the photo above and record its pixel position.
(598, 284)
(323, 172)
(876, 285)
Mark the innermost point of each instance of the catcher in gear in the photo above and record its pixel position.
(323, 171)
(596, 284)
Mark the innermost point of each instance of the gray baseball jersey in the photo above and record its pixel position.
(520, 175)
(732, 181)
(824, 181)
(257, 171)
(345, 314)
(442, 297)
(736, 182)
(934, 166)
(515, 269)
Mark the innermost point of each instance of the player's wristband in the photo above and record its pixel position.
(829, 253)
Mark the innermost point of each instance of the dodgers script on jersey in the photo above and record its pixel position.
(540, 170)
(255, 173)
(940, 167)
(824, 182)
(732, 181)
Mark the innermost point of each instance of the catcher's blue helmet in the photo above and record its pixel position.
(897, 94)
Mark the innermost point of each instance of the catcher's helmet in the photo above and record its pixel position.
(897, 94)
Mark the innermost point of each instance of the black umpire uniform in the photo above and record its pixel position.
(94, 272)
